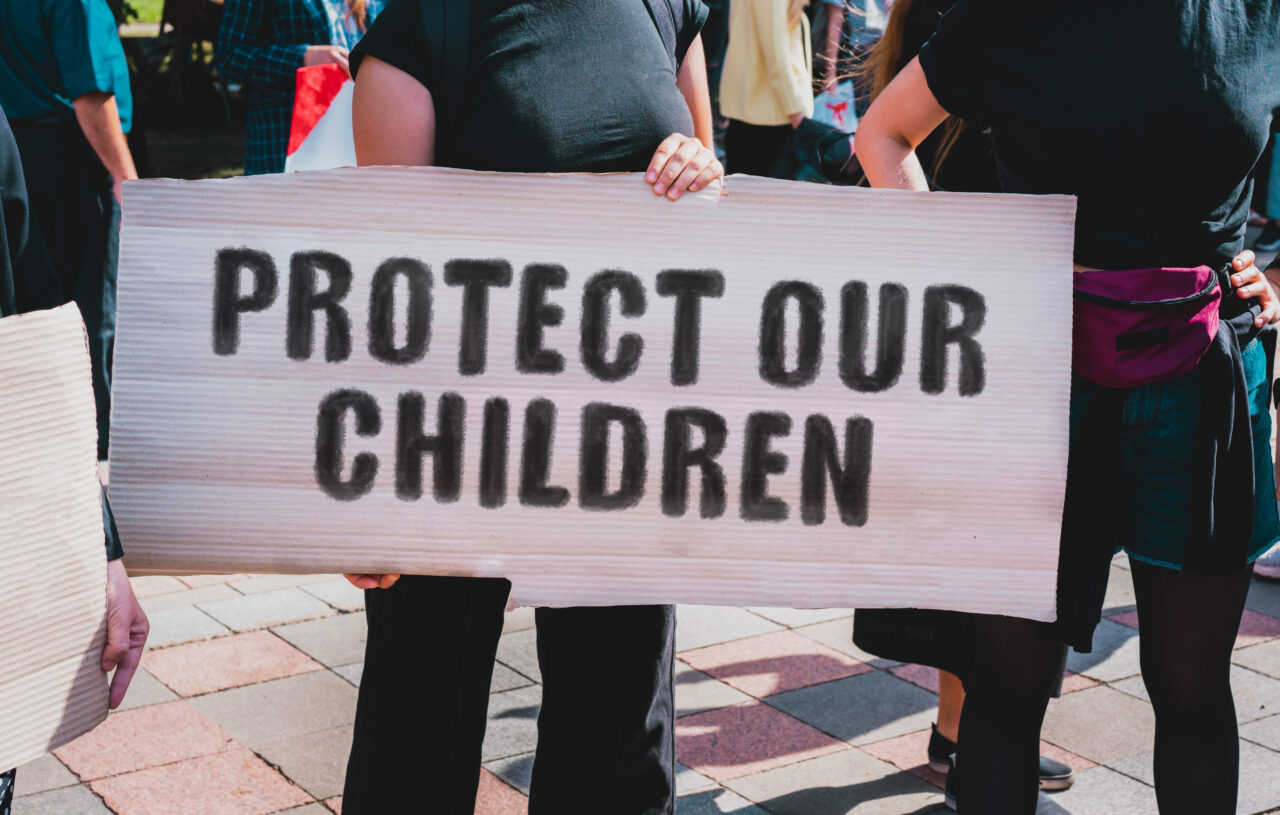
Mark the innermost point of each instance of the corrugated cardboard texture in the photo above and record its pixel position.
(214, 456)
(53, 603)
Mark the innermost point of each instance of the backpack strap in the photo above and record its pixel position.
(446, 25)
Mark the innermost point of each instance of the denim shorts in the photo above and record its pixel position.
(1159, 430)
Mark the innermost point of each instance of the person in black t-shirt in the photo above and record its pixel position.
(570, 85)
(1155, 121)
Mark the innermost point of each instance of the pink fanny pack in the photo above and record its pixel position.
(1139, 326)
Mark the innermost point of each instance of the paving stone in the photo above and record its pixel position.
(922, 676)
(150, 586)
(1257, 628)
(838, 634)
(1072, 682)
(334, 804)
(266, 609)
(44, 774)
(716, 802)
(257, 714)
(505, 679)
(746, 739)
(1256, 695)
(697, 692)
(493, 797)
(847, 782)
(77, 800)
(519, 651)
(317, 762)
(1263, 731)
(1119, 597)
(179, 625)
(773, 663)
(1114, 655)
(688, 781)
(351, 673)
(796, 617)
(518, 619)
(516, 771)
(145, 689)
(1103, 791)
(1259, 779)
(155, 735)
(908, 753)
(1259, 776)
(308, 809)
(228, 662)
(861, 709)
(331, 641)
(1101, 724)
(338, 593)
(700, 626)
(235, 782)
(257, 584)
(513, 723)
(1264, 658)
(188, 597)
(1264, 597)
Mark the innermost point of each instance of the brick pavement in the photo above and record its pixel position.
(248, 696)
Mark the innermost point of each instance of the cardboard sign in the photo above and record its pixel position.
(53, 605)
(796, 395)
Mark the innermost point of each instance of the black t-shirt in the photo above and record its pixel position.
(557, 85)
(969, 165)
(1153, 114)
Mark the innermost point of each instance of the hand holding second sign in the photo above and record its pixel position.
(372, 581)
(682, 163)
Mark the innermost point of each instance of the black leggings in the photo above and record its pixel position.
(1188, 623)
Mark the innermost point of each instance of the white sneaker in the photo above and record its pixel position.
(1268, 564)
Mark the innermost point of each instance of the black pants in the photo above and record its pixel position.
(6, 792)
(752, 149)
(606, 743)
(77, 214)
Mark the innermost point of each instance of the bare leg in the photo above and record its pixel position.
(950, 702)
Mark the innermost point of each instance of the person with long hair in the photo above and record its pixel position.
(958, 158)
(263, 43)
(540, 97)
(1155, 122)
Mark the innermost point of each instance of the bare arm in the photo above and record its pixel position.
(691, 79)
(394, 117)
(99, 118)
(900, 118)
(831, 49)
(394, 120)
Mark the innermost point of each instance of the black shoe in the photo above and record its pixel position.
(940, 751)
(1054, 775)
(1269, 240)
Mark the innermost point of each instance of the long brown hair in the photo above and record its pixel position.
(881, 66)
(359, 11)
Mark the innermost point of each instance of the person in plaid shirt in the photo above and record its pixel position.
(262, 44)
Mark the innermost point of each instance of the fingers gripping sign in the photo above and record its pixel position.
(682, 163)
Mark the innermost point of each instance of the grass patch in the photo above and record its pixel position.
(148, 11)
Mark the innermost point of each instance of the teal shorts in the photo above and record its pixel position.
(1159, 429)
